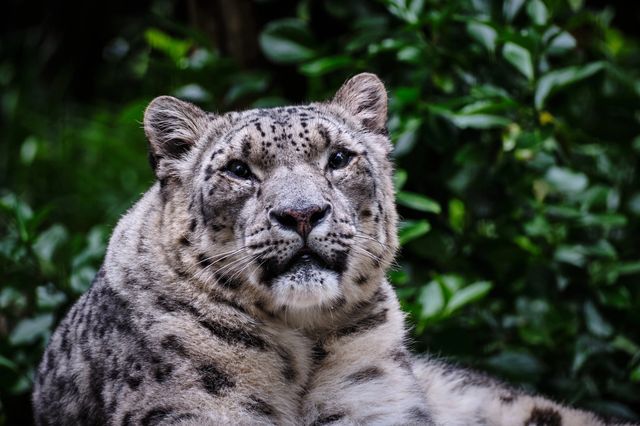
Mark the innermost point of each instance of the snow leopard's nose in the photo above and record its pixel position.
(301, 220)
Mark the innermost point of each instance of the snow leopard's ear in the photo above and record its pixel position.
(365, 97)
(172, 127)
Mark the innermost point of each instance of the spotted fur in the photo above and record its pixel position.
(247, 286)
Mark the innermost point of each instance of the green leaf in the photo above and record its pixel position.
(192, 92)
(564, 212)
(557, 80)
(525, 243)
(519, 57)
(478, 121)
(399, 179)
(573, 255)
(412, 229)
(409, 54)
(566, 181)
(634, 203)
(399, 276)
(21, 211)
(467, 295)
(94, 249)
(486, 106)
(48, 297)
(511, 8)
(30, 329)
(12, 298)
(586, 347)
(325, 65)
(175, 49)
(484, 34)
(538, 12)
(616, 297)
(595, 322)
(624, 344)
(576, 4)
(629, 268)
(451, 283)
(457, 213)
(287, 41)
(604, 219)
(7, 363)
(251, 84)
(405, 141)
(602, 248)
(516, 364)
(407, 10)
(418, 202)
(81, 279)
(48, 242)
(561, 43)
(609, 272)
(432, 300)
(28, 150)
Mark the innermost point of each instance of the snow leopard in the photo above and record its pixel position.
(248, 287)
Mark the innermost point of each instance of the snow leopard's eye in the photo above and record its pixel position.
(239, 169)
(339, 159)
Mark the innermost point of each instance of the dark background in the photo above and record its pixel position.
(517, 136)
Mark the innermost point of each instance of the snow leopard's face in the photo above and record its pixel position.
(294, 201)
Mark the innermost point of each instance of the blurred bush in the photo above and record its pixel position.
(517, 139)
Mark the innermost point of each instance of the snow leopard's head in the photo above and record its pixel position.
(295, 202)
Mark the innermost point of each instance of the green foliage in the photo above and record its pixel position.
(287, 41)
(517, 141)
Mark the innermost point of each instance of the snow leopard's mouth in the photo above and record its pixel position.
(305, 259)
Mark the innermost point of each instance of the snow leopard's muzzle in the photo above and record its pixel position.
(306, 237)
(303, 220)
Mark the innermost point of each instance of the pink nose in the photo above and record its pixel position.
(302, 220)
